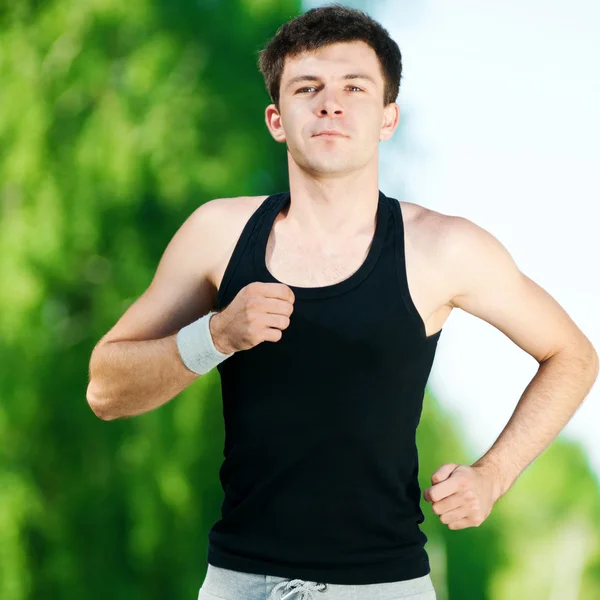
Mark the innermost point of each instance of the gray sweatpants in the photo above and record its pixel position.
(225, 584)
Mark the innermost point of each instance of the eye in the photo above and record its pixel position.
(312, 87)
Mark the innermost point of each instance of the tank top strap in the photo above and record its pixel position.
(244, 248)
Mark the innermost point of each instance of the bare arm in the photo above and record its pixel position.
(489, 285)
(131, 378)
(136, 366)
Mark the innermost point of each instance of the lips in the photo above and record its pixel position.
(330, 132)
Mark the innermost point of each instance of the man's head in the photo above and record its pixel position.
(332, 68)
(327, 25)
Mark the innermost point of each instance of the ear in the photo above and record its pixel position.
(391, 118)
(274, 124)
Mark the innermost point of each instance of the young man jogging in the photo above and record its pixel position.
(322, 307)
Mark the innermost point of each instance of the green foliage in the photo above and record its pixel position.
(116, 122)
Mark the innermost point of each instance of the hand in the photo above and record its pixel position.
(462, 496)
(258, 313)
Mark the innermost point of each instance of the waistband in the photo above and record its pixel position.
(237, 585)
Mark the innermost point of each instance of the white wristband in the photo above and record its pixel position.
(196, 346)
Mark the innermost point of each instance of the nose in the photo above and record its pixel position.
(329, 103)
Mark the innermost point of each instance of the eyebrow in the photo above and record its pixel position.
(317, 78)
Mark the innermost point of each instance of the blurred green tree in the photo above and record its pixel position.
(116, 121)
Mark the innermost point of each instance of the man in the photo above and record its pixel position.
(351, 289)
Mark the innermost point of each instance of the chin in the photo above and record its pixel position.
(341, 165)
(325, 163)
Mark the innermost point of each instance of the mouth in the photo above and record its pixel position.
(330, 134)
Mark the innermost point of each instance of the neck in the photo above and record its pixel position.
(332, 207)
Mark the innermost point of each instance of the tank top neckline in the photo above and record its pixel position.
(273, 206)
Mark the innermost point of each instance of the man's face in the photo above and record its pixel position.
(316, 95)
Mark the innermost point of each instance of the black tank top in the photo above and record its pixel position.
(320, 468)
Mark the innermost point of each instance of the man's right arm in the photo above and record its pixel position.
(136, 366)
(129, 378)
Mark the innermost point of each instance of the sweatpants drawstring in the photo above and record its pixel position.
(305, 589)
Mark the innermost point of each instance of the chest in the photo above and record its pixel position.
(309, 264)
(305, 265)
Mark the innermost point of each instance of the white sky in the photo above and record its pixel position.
(501, 105)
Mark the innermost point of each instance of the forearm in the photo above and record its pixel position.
(129, 378)
(552, 397)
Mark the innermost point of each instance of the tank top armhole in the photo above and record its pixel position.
(401, 274)
(238, 251)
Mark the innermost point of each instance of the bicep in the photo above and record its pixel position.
(489, 285)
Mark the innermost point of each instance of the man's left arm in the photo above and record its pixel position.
(486, 282)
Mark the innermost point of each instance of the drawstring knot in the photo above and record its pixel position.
(305, 589)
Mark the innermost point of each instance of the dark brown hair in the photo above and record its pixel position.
(327, 25)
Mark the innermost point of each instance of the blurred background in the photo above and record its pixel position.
(118, 119)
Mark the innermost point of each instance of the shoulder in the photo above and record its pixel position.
(206, 239)
(213, 223)
(442, 234)
(468, 256)
(215, 227)
(236, 208)
(211, 226)
(216, 221)
(461, 253)
(426, 230)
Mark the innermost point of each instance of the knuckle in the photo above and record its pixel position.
(253, 303)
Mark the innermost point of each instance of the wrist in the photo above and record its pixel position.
(496, 476)
(217, 336)
(197, 348)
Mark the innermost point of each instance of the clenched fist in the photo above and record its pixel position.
(258, 313)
